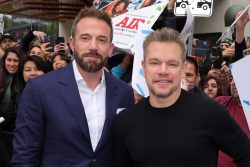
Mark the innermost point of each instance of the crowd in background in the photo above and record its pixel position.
(34, 56)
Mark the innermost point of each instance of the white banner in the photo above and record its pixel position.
(138, 80)
(242, 80)
(127, 25)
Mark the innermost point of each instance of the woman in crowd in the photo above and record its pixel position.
(60, 60)
(31, 67)
(222, 76)
(212, 87)
(8, 76)
(36, 50)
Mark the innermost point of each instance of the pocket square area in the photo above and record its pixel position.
(119, 110)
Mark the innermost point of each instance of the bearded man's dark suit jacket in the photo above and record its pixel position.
(51, 127)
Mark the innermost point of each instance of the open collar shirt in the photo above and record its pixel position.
(94, 103)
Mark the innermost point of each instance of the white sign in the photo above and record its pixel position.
(187, 29)
(138, 80)
(240, 71)
(199, 8)
(127, 25)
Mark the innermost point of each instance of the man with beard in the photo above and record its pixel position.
(65, 118)
(173, 127)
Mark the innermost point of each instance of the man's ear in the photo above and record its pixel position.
(143, 67)
(198, 79)
(111, 49)
(72, 43)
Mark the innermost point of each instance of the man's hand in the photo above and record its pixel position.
(45, 48)
(240, 26)
(62, 47)
(228, 52)
(241, 23)
(171, 4)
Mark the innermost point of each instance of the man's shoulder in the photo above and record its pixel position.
(53, 75)
(198, 101)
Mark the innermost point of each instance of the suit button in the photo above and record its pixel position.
(93, 160)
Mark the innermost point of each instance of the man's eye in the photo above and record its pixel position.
(153, 63)
(173, 65)
(103, 40)
(85, 38)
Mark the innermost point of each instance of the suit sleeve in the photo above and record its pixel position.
(29, 132)
(230, 138)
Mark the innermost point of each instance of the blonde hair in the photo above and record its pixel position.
(165, 35)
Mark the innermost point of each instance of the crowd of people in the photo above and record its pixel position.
(71, 104)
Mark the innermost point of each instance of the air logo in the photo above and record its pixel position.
(199, 8)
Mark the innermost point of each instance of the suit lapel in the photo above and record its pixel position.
(70, 94)
(111, 93)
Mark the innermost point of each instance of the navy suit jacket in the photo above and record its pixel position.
(51, 126)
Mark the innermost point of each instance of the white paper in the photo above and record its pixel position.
(187, 29)
(241, 77)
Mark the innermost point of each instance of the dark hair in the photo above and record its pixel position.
(16, 50)
(219, 84)
(33, 46)
(5, 76)
(92, 13)
(194, 62)
(63, 57)
(126, 2)
(39, 62)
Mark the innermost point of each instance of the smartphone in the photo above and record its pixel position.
(59, 40)
(51, 40)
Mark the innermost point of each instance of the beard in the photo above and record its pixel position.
(90, 65)
(163, 95)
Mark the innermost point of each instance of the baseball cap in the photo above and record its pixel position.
(227, 40)
(7, 35)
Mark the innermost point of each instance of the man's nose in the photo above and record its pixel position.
(93, 44)
(163, 69)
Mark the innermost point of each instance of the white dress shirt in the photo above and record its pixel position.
(94, 103)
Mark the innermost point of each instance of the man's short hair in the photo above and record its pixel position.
(165, 35)
(92, 13)
(191, 60)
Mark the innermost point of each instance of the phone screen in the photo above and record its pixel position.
(60, 40)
